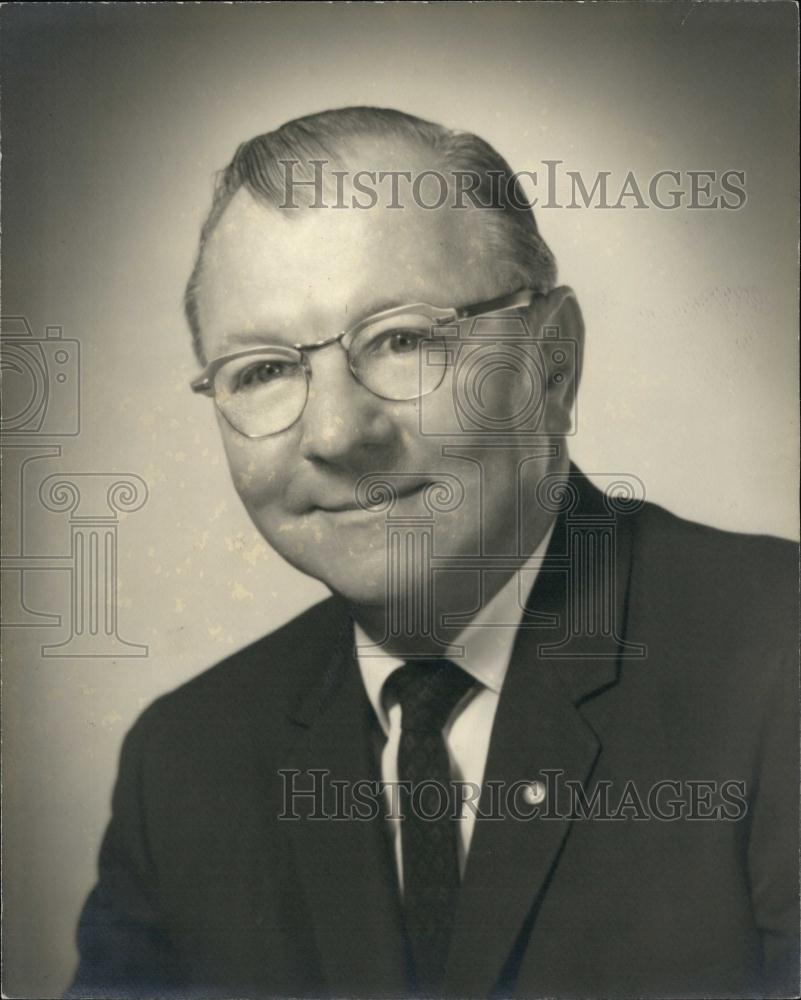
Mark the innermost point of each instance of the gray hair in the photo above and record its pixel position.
(515, 243)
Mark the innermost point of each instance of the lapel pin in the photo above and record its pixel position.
(534, 793)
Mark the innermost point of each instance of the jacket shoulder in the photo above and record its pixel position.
(716, 547)
(262, 679)
(748, 582)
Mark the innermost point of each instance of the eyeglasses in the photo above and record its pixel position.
(263, 390)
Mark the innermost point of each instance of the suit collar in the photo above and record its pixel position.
(320, 687)
(483, 648)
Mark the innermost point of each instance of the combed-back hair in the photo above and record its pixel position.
(513, 240)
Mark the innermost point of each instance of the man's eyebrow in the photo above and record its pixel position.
(255, 338)
(378, 306)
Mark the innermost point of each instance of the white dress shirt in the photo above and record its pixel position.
(487, 649)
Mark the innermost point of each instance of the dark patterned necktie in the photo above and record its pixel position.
(428, 691)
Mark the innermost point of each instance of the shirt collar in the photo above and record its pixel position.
(486, 642)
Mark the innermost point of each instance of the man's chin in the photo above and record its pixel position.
(358, 578)
(368, 585)
(355, 560)
(358, 589)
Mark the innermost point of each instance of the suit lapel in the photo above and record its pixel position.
(347, 868)
(538, 729)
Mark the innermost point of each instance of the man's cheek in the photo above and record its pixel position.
(258, 487)
(290, 537)
(355, 567)
(256, 476)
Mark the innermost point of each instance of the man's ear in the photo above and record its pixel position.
(557, 319)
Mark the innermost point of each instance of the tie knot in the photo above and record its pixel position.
(428, 691)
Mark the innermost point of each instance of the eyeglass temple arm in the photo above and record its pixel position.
(522, 297)
(202, 384)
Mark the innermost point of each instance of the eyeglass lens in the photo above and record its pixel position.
(264, 393)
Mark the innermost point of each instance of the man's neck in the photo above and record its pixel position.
(466, 596)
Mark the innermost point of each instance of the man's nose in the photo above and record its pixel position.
(343, 422)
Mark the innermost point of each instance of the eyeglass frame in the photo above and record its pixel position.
(439, 316)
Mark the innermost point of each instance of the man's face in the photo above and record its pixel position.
(307, 277)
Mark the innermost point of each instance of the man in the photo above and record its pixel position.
(609, 689)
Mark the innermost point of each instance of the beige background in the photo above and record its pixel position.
(115, 119)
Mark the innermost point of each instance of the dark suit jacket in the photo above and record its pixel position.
(203, 890)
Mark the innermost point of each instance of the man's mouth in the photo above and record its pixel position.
(351, 505)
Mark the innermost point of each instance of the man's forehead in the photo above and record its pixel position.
(262, 265)
(250, 228)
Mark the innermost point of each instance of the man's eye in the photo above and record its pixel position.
(261, 373)
(401, 341)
